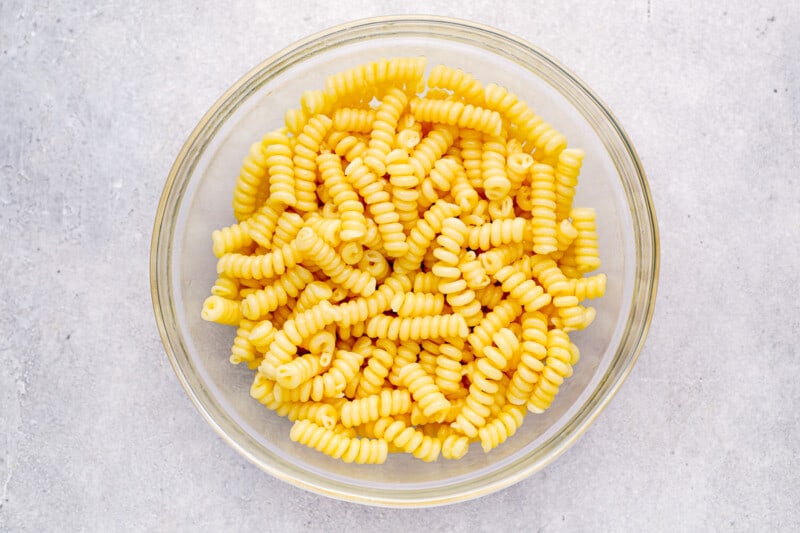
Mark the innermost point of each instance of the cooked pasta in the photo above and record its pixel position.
(327, 441)
(252, 178)
(461, 83)
(406, 264)
(278, 153)
(375, 372)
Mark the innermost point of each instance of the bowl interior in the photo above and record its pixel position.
(201, 202)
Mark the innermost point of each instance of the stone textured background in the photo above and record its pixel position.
(96, 433)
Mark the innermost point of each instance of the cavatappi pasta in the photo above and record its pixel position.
(407, 264)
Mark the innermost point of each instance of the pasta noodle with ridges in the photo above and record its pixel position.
(407, 264)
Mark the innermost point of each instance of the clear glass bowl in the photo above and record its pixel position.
(196, 200)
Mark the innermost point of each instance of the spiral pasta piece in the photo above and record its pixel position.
(289, 337)
(350, 147)
(518, 164)
(447, 369)
(503, 426)
(338, 446)
(433, 403)
(455, 113)
(370, 408)
(297, 371)
(221, 310)
(404, 188)
(379, 204)
(522, 288)
(322, 414)
(257, 304)
(431, 149)
(585, 247)
(374, 374)
(501, 316)
(278, 153)
(328, 228)
(423, 233)
(415, 328)
(533, 351)
(374, 263)
(408, 439)
(425, 282)
(497, 233)
(262, 334)
(360, 309)
(500, 256)
(529, 126)
(252, 177)
(566, 180)
(261, 225)
(353, 119)
(472, 271)
(287, 227)
(461, 83)
(565, 235)
(543, 199)
(313, 293)
(243, 350)
(382, 136)
(488, 372)
(557, 367)
(258, 267)
(311, 246)
(305, 162)
(496, 184)
(589, 287)
(464, 194)
(455, 446)
(471, 144)
(232, 238)
(328, 385)
(226, 287)
(490, 296)
(412, 304)
(405, 72)
(439, 180)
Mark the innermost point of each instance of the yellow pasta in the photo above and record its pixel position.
(259, 303)
(407, 264)
(252, 178)
(417, 304)
(543, 209)
(369, 408)
(455, 113)
(353, 119)
(461, 83)
(221, 310)
(306, 148)
(384, 128)
(278, 153)
(585, 245)
(404, 187)
(361, 451)
(374, 374)
(313, 248)
(261, 226)
(383, 212)
(232, 238)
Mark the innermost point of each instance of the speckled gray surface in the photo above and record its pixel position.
(97, 434)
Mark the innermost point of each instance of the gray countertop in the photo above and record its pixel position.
(97, 433)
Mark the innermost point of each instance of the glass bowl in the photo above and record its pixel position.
(196, 200)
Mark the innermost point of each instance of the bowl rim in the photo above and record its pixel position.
(590, 411)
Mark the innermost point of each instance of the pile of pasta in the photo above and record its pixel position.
(407, 264)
